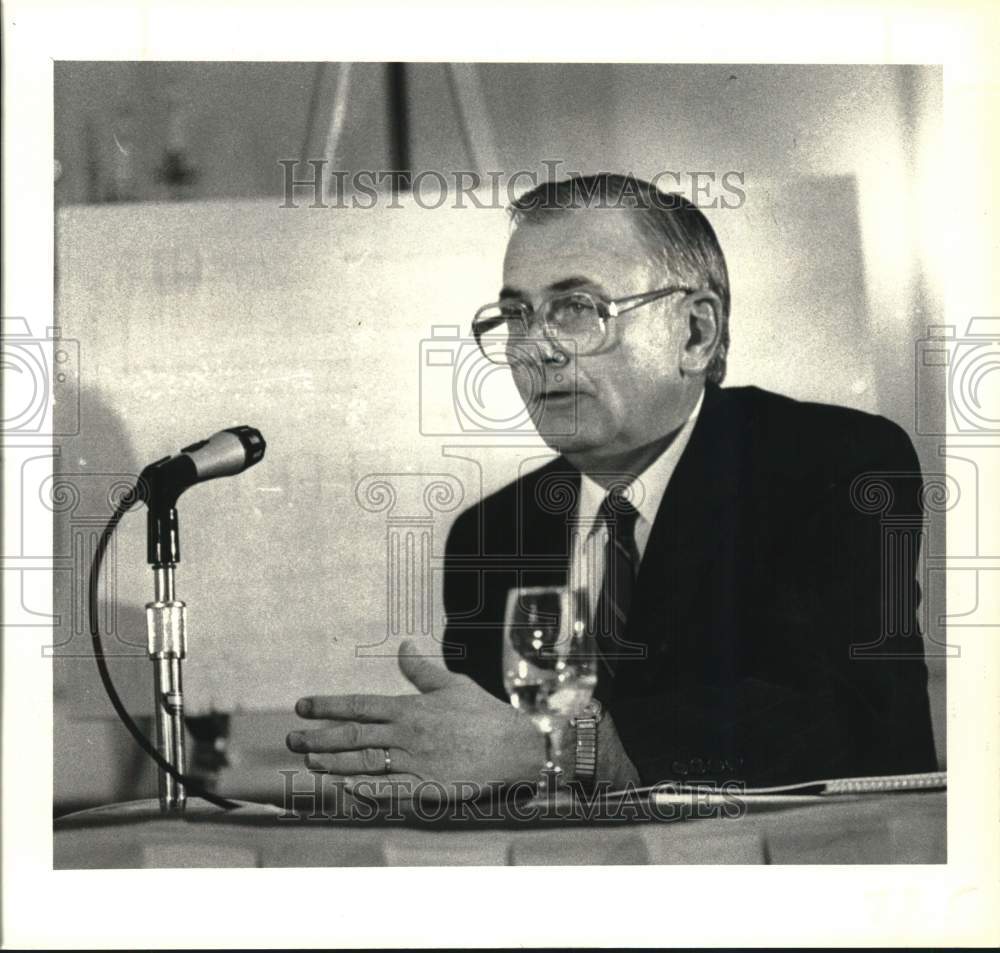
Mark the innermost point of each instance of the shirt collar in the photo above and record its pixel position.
(653, 480)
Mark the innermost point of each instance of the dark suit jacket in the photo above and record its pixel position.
(775, 604)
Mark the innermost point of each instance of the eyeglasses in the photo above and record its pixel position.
(575, 321)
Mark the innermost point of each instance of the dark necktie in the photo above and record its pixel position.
(621, 562)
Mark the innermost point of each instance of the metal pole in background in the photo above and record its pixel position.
(399, 127)
(167, 644)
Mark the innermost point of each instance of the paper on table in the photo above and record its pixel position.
(876, 784)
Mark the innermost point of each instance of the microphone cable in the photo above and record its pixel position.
(121, 507)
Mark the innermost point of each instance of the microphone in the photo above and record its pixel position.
(225, 453)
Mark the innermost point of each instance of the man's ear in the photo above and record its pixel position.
(703, 311)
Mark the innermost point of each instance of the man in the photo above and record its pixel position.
(740, 581)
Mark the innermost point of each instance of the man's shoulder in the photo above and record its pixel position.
(758, 404)
(551, 486)
(811, 432)
(777, 433)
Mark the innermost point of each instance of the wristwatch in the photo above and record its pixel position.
(586, 743)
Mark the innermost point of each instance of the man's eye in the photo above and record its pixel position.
(573, 309)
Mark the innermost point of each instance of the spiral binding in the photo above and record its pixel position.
(876, 784)
(886, 783)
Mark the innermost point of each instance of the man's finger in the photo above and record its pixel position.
(367, 761)
(349, 707)
(426, 673)
(350, 736)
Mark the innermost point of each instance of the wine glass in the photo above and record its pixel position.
(549, 663)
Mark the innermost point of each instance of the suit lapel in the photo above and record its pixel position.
(697, 507)
(547, 504)
(696, 517)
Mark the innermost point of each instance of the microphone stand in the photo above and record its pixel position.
(166, 617)
(223, 454)
(166, 634)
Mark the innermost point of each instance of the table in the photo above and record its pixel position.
(864, 829)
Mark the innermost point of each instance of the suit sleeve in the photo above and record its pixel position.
(457, 645)
(471, 642)
(836, 684)
(872, 646)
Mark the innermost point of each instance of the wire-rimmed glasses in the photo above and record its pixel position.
(575, 321)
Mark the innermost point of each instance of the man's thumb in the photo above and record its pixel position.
(423, 672)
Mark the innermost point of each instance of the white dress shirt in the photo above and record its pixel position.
(646, 493)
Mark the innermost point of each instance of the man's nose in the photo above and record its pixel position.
(550, 351)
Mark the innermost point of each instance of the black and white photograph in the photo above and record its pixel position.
(565, 475)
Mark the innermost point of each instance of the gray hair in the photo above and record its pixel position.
(680, 238)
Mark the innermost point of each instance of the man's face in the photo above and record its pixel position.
(631, 392)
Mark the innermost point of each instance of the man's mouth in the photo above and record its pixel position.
(554, 396)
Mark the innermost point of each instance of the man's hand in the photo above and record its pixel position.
(452, 732)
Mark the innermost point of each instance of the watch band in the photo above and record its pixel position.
(586, 744)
